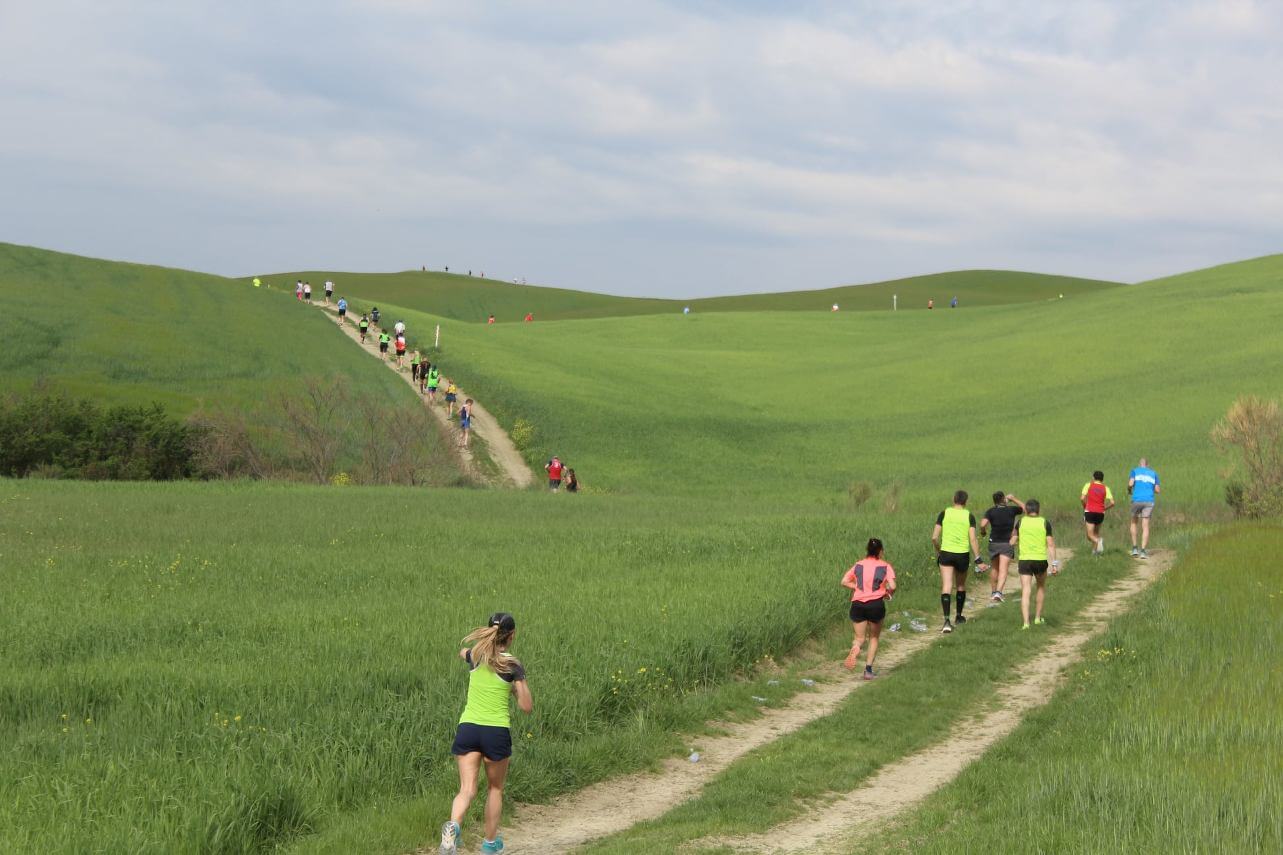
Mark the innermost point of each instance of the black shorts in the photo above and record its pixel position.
(1093, 518)
(495, 743)
(959, 561)
(1032, 568)
(874, 611)
(383, 347)
(554, 483)
(342, 312)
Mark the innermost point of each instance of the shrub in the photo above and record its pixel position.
(1253, 428)
(859, 492)
(523, 434)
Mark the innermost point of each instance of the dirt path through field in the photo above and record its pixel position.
(903, 784)
(619, 803)
(505, 455)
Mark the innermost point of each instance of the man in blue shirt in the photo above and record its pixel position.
(1142, 484)
(342, 309)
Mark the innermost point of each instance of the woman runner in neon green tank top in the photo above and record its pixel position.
(1036, 545)
(483, 734)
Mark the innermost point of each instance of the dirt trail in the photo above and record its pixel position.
(908, 781)
(505, 455)
(619, 803)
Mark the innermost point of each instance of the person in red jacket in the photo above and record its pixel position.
(872, 582)
(1096, 499)
(554, 468)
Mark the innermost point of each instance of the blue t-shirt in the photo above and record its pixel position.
(1146, 480)
(342, 304)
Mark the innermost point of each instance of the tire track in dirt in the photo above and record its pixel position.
(511, 464)
(617, 804)
(902, 785)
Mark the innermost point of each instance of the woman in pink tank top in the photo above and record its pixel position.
(872, 582)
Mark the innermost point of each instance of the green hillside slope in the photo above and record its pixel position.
(473, 298)
(129, 333)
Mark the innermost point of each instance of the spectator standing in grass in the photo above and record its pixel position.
(554, 468)
(490, 320)
(572, 481)
(1036, 545)
(364, 326)
(1143, 486)
(1096, 499)
(530, 316)
(484, 735)
(872, 582)
(953, 304)
(465, 421)
(931, 304)
(954, 538)
(1000, 520)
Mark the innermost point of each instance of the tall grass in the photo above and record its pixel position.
(1166, 737)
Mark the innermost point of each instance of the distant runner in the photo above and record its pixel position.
(364, 326)
(398, 328)
(258, 283)
(954, 537)
(434, 380)
(451, 395)
(400, 351)
(384, 341)
(424, 367)
(872, 582)
(415, 361)
(1000, 520)
(1096, 499)
(307, 292)
(342, 310)
(329, 291)
(1034, 540)
(554, 468)
(490, 321)
(1143, 486)
(465, 421)
(484, 733)
(298, 290)
(374, 316)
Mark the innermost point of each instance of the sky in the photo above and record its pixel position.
(651, 148)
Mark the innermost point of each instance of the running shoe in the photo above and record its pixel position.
(1144, 554)
(449, 838)
(996, 597)
(1039, 621)
(849, 664)
(1135, 552)
(960, 619)
(1024, 626)
(495, 845)
(869, 675)
(947, 628)
(1100, 546)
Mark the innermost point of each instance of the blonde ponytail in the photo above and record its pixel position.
(488, 643)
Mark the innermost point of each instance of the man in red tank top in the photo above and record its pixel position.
(1096, 499)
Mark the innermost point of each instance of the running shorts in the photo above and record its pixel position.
(383, 347)
(1093, 517)
(874, 611)
(1142, 510)
(494, 743)
(554, 483)
(1000, 548)
(959, 561)
(342, 313)
(450, 397)
(1032, 568)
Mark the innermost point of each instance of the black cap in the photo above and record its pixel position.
(506, 622)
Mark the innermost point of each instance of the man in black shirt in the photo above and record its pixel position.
(1000, 520)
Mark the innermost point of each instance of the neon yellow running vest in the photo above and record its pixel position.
(1033, 539)
(955, 531)
(487, 699)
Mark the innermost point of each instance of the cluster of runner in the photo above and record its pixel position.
(303, 290)
(1017, 531)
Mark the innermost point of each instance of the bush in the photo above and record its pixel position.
(1253, 428)
(54, 436)
(523, 434)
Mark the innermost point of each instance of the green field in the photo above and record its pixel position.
(734, 463)
(469, 298)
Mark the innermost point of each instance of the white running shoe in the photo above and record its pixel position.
(449, 838)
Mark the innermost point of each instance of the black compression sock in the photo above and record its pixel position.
(945, 601)
(962, 598)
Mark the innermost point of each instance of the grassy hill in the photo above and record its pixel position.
(131, 333)
(469, 298)
(254, 667)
